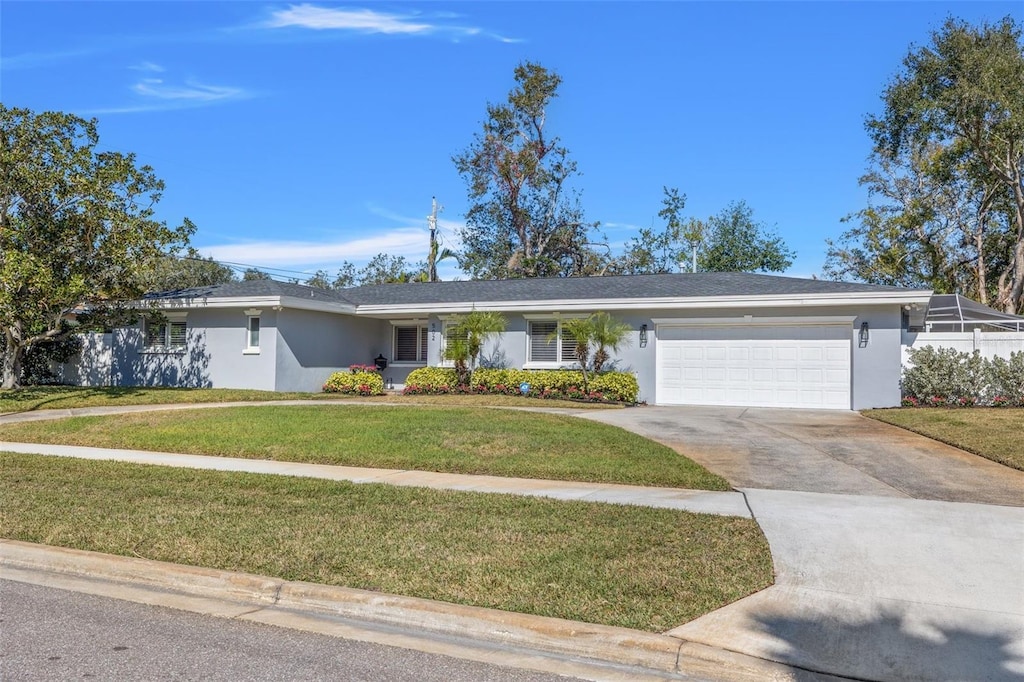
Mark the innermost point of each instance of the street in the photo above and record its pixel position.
(50, 634)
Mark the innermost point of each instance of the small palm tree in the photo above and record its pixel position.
(608, 333)
(467, 339)
(581, 331)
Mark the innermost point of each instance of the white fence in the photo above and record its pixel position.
(989, 344)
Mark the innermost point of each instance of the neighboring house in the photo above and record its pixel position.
(703, 338)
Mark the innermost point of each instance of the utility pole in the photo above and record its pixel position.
(432, 258)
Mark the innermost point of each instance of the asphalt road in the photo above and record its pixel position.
(50, 634)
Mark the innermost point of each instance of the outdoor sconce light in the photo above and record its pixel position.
(643, 336)
(380, 362)
(864, 335)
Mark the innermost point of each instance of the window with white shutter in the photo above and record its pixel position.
(410, 343)
(543, 341)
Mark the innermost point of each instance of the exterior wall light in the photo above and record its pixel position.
(643, 336)
(380, 362)
(865, 334)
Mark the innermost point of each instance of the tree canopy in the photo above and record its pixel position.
(77, 230)
(381, 269)
(729, 241)
(947, 172)
(524, 219)
(185, 271)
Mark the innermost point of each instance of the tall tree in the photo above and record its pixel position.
(76, 230)
(960, 101)
(734, 242)
(524, 220)
(254, 275)
(653, 252)
(185, 271)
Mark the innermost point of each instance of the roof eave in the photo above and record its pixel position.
(214, 302)
(906, 297)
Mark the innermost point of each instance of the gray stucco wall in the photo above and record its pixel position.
(299, 349)
(212, 357)
(875, 368)
(312, 345)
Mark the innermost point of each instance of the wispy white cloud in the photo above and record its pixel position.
(360, 20)
(406, 241)
(368, 21)
(155, 94)
(150, 67)
(191, 91)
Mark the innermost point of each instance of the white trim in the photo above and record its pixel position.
(274, 302)
(252, 312)
(411, 322)
(668, 303)
(549, 365)
(751, 321)
(251, 351)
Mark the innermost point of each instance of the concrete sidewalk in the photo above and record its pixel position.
(700, 501)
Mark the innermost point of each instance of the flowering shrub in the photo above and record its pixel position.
(946, 377)
(355, 382)
(363, 368)
(548, 384)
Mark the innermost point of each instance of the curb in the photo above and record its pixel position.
(254, 597)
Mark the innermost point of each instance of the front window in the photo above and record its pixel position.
(166, 335)
(254, 332)
(410, 343)
(549, 343)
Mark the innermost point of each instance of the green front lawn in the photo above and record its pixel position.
(993, 433)
(449, 439)
(70, 397)
(635, 567)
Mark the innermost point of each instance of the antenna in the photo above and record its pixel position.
(432, 223)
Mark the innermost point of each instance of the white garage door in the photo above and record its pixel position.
(756, 366)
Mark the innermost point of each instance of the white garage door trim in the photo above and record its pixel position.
(801, 362)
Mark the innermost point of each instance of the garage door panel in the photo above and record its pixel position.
(787, 366)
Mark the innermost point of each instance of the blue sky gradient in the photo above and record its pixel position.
(299, 135)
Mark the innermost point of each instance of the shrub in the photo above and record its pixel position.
(358, 382)
(946, 377)
(1006, 378)
(428, 378)
(551, 384)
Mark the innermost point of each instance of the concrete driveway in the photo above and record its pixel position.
(822, 451)
(887, 567)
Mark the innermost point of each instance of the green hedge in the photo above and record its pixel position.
(355, 383)
(947, 377)
(617, 386)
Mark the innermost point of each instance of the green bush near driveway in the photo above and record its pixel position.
(947, 377)
(450, 439)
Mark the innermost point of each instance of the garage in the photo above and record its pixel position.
(801, 364)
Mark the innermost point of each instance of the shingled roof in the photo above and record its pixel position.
(681, 285)
(624, 287)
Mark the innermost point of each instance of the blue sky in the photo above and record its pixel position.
(299, 135)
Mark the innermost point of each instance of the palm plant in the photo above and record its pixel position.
(467, 338)
(608, 334)
(581, 331)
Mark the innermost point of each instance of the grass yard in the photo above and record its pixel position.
(449, 439)
(70, 397)
(649, 569)
(993, 433)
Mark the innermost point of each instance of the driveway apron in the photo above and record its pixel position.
(822, 451)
